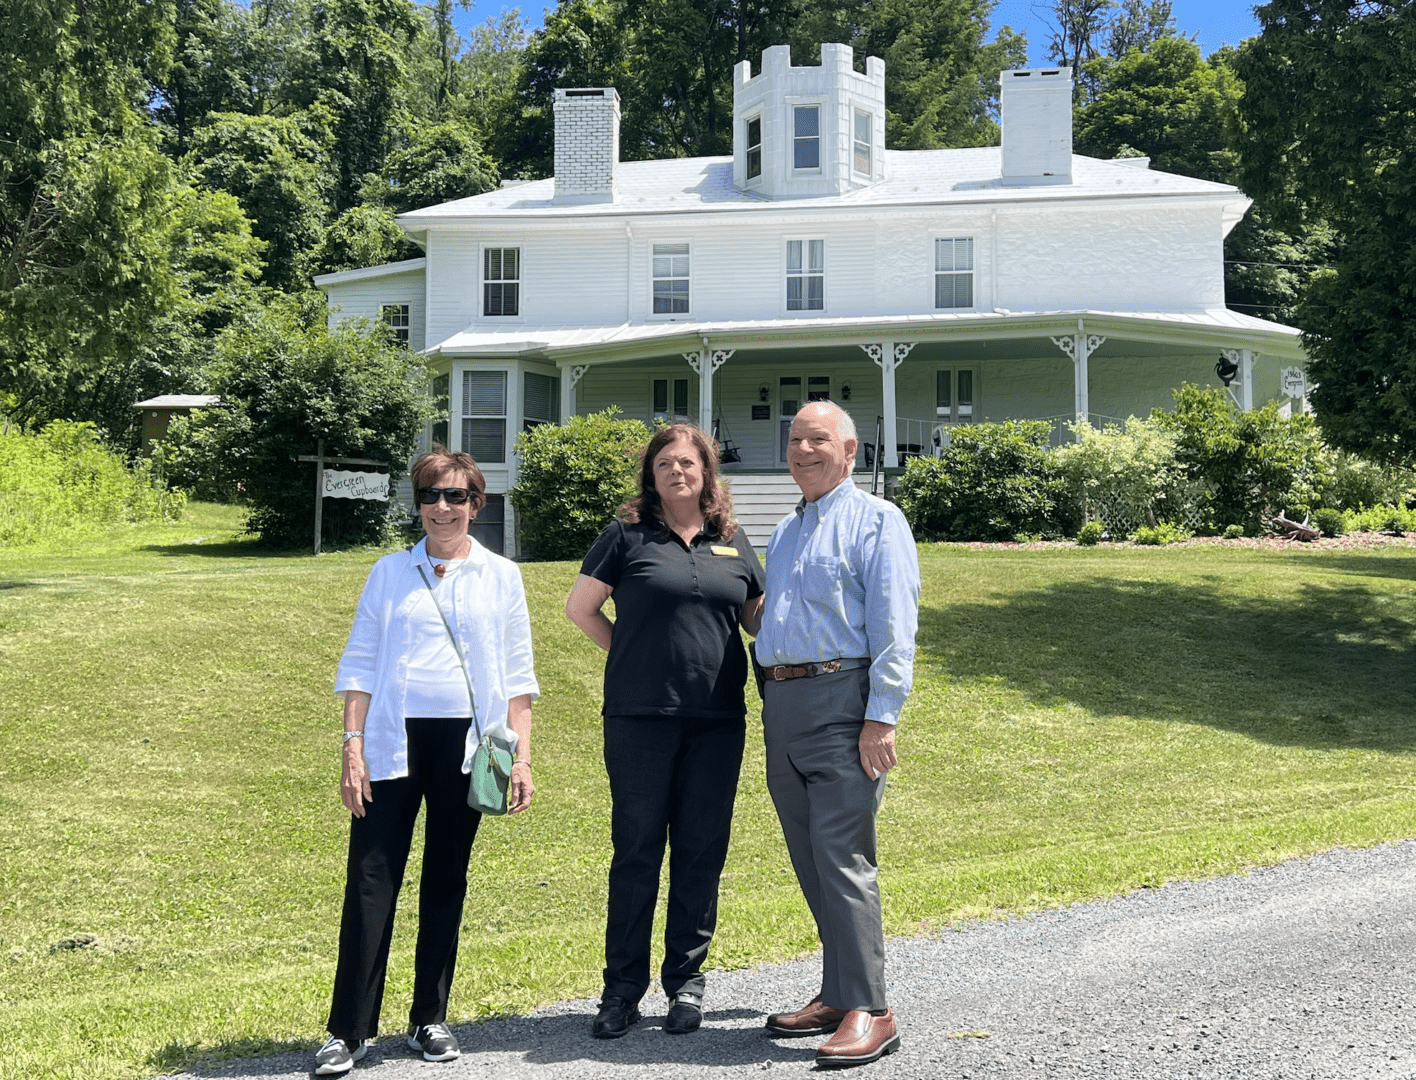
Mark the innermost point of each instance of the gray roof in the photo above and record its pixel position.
(916, 177)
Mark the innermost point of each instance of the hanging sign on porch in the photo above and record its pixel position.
(1293, 381)
(339, 484)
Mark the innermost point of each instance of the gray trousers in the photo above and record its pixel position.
(827, 807)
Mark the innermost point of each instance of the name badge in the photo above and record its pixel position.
(720, 549)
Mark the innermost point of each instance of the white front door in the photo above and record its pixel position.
(793, 391)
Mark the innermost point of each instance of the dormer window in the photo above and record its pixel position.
(754, 147)
(861, 157)
(806, 137)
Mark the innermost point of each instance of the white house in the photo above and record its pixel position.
(919, 289)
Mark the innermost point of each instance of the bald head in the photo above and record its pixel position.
(830, 412)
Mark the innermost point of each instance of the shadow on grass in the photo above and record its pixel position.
(227, 549)
(1402, 568)
(6, 585)
(1333, 666)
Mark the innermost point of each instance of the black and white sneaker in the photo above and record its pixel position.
(435, 1041)
(335, 1058)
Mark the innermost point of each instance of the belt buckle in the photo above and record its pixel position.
(830, 667)
(778, 673)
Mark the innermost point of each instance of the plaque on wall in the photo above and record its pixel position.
(762, 412)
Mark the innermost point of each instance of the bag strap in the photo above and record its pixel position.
(462, 660)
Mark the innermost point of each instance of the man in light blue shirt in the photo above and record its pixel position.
(836, 651)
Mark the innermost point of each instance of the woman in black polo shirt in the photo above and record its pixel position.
(684, 579)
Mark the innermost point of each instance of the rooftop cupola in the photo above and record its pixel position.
(803, 131)
(587, 145)
(1037, 126)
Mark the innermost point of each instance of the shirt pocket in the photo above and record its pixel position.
(821, 580)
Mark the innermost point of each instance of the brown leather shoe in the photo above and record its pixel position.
(813, 1018)
(859, 1039)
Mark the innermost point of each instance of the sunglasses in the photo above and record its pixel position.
(454, 496)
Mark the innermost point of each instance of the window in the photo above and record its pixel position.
(954, 395)
(806, 141)
(501, 281)
(484, 415)
(754, 147)
(806, 278)
(396, 316)
(441, 386)
(670, 279)
(953, 272)
(540, 400)
(662, 387)
(861, 160)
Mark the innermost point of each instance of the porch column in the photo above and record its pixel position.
(1244, 397)
(705, 362)
(887, 356)
(569, 377)
(1079, 347)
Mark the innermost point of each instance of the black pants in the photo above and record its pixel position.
(378, 852)
(676, 778)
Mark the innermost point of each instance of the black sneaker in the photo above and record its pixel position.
(685, 1015)
(435, 1041)
(335, 1058)
(614, 1018)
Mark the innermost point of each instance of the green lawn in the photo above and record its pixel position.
(1085, 721)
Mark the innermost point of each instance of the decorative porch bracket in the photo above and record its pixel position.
(704, 363)
(1079, 347)
(569, 377)
(1244, 399)
(887, 356)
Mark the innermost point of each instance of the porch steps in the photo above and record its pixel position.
(760, 500)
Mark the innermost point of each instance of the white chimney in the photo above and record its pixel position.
(587, 145)
(1037, 126)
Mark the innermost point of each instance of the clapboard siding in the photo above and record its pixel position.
(364, 299)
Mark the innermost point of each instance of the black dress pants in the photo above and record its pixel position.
(378, 852)
(671, 778)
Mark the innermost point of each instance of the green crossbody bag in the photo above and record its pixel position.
(491, 763)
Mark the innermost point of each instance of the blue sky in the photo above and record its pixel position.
(1218, 21)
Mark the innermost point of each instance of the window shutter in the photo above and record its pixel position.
(484, 393)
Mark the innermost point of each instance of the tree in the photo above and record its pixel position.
(277, 169)
(362, 236)
(1329, 129)
(441, 162)
(288, 381)
(1139, 25)
(1079, 27)
(489, 71)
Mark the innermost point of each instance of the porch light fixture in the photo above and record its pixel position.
(845, 391)
(1226, 369)
(764, 392)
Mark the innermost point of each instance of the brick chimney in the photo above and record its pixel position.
(587, 145)
(1037, 126)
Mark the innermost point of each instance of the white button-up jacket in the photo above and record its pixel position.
(495, 638)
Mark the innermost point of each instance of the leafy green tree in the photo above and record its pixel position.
(1329, 129)
(362, 236)
(489, 71)
(277, 169)
(441, 162)
(1139, 24)
(1077, 31)
(287, 382)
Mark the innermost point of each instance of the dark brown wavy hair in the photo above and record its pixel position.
(439, 460)
(716, 501)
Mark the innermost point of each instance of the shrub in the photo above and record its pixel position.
(991, 483)
(62, 483)
(1251, 464)
(1091, 533)
(1329, 521)
(1233, 532)
(1358, 484)
(1160, 535)
(572, 480)
(1391, 519)
(1127, 475)
(288, 382)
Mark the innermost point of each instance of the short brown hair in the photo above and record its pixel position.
(715, 501)
(439, 460)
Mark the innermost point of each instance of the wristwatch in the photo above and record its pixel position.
(353, 735)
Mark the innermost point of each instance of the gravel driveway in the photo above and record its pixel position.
(1299, 970)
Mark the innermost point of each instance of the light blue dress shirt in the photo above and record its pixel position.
(843, 581)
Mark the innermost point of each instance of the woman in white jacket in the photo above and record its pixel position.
(409, 736)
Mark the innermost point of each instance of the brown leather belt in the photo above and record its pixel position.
(782, 672)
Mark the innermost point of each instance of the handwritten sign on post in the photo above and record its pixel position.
(1293, 381)
(339, 484)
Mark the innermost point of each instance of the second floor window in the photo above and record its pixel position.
(754, 147)
(501, 281)
(670, 279)
(806, 275)
(396, 316)
(954, 272)
(806, 137)
(861, 157)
